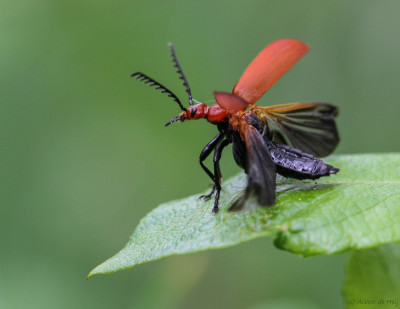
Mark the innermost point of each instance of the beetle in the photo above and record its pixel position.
(287, 139)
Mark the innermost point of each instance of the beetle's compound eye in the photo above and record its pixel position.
(194, 110)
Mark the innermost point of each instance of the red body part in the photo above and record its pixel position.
(213, 113)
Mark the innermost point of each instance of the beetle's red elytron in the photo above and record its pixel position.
(284, 139)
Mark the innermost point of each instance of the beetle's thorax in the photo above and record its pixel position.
(239, 118)
(240, 121)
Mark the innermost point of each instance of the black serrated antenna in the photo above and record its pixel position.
(180, 72)
(146, 79)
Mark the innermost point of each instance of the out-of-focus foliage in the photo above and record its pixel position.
(85, 155)
(373, 278)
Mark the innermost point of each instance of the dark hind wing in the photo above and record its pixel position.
(261, 172)
(309, 127)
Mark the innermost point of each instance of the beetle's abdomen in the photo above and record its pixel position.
(291, 162)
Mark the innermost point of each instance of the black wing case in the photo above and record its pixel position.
(309, 127)
(260, 169)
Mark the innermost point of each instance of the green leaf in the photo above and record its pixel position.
(357, 208)
(373, 278)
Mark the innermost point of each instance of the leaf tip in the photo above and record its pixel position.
(94, 271)
(90, 275)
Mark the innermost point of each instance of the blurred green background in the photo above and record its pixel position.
(85, 154)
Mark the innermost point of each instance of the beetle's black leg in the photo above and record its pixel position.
(204, 154)
(206, 197)
(217, 171)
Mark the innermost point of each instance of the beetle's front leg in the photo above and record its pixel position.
(204, 154)
(217, 172)
(206, 197)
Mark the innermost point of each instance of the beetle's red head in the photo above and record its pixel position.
(192, 112)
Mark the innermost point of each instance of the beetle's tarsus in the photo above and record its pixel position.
(206, 197)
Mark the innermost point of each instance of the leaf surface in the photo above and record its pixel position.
(357, 208)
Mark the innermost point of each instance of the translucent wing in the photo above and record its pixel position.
(260, 169)
(268, 67)
(309, 127)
